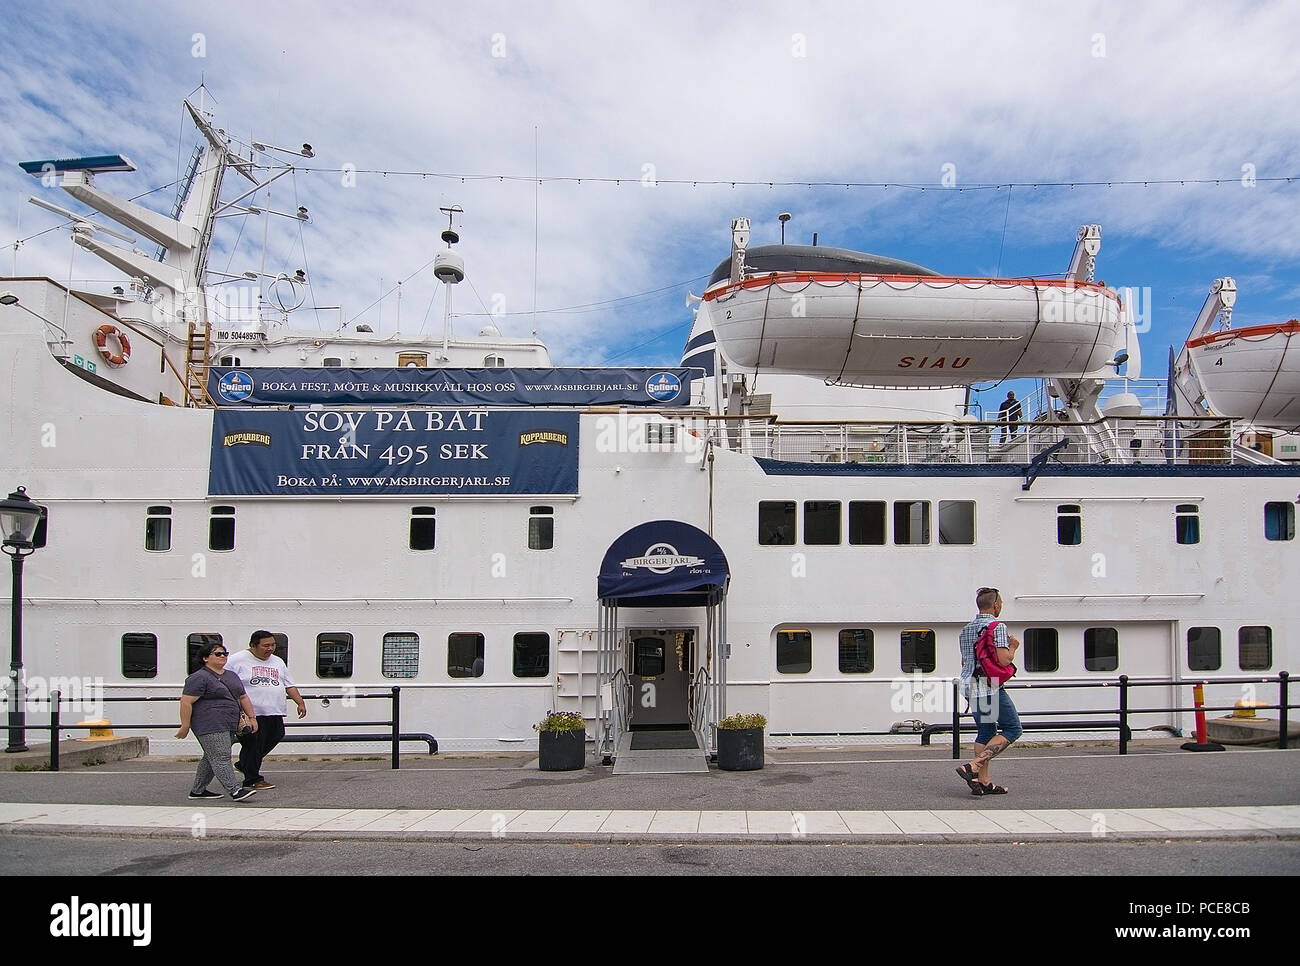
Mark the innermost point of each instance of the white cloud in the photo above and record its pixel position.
(752, 92)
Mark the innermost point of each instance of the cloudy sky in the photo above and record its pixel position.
(600, 150)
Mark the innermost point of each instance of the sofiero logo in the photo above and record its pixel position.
(235, 386)
(663, 386)
(661, 558)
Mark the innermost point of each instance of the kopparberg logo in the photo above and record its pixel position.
(661, 558)
(663, 386)
(235, 386)
(544, 436)
(245, 439)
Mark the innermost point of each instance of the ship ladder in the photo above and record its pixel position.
(198, 343)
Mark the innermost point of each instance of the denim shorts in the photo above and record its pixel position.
(994, 713)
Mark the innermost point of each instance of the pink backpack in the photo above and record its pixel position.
(986, 658)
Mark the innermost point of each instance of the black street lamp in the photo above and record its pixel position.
(19, 518)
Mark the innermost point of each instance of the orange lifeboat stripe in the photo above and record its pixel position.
(1254, 331)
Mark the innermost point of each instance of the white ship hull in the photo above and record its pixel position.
(915, 330)
(309, 567)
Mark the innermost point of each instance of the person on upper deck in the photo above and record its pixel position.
(1010, 414)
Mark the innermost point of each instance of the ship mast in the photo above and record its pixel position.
(448, 268)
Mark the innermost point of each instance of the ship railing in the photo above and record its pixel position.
(1151, 440)
(92, 703)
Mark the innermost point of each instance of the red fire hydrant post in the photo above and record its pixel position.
(1202, 742)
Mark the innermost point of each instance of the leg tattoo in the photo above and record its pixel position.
(995, 747)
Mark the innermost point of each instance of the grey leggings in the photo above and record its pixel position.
(216, 761)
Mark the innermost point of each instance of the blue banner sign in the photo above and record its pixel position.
(391, 452)
(451, 387)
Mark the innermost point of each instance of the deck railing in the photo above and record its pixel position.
(1152, 440)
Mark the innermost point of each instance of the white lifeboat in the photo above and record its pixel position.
(1252, 373)
(884, 329)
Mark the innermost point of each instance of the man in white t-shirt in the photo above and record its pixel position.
(266, 680)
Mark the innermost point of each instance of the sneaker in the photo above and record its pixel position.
(260, 785)
(206, 793)
(244, 793)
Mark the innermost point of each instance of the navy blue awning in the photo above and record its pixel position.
(664, 563)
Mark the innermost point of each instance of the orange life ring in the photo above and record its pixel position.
(106, 332)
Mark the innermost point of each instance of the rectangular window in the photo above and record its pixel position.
(281, 647)
(334, 655)
(140, 655)
(867, 522)
(414, 360)
(1100, 649)
(401, 655)
(193, 644)
(794, 651)
(857, 651)
(911, 522)
(1204, 651)
(1069, 524)
(916, 650)
(1042, 651)
(1187, 523)
(541, 528)
(821, 522)
(424, 528)
(465, 655)
(1279, 521)
(956, 521)
(221, 528)
(776, 522)
(158, 528)
(532, 655)
(648, 657)
(1255, 648)
(661, 434)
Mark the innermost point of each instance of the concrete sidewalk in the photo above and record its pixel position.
(886, 794)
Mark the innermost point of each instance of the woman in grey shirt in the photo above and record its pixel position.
(210, 704)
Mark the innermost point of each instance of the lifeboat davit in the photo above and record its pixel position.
(861, 319)
(1252, 373)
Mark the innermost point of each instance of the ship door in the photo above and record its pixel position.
(659, 668)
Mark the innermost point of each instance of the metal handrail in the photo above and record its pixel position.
(700, 691)
(394, 734)
(620, 718)
(1123, 710)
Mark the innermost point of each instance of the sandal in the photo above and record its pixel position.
(991, 789)
(971, 778)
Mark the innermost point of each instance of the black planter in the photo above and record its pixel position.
(562, 750)
(740, 749)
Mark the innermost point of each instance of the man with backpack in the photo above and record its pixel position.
(987, 652)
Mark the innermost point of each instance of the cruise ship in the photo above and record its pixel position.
(793, 521)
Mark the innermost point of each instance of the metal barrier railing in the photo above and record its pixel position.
(1122, 711)
(394, 734)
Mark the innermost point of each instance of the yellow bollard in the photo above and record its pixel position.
(1245, 708)
(101, 729)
